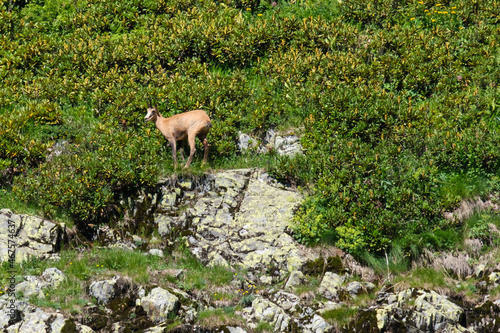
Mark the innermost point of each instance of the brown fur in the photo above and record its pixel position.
(181, 127)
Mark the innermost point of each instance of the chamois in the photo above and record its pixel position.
(187, 125)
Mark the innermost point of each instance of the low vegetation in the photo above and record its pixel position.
(102, 263)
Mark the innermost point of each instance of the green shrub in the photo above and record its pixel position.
(83, 180)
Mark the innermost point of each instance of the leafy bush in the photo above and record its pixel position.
(396, 99)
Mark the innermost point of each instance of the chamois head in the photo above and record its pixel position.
(152, 112)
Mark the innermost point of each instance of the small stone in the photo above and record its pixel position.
(176, 273)
(354, 288)
(330, 285)
(266, 279)
(31, 286)
(369, 287)
(494, 278)
(104, 290)
(168, 199)
(329, 306)
(156, 252)
(159, 304)
(296, 278)
(319, 325)
(165, 224)
(270, 137)
(53, 276)
(286, 301)
(480, 270)
(186, 185)
(190, 315)
(246, 142)
(288, 145)
(217, 260)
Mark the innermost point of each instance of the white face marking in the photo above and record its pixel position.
(151, 113)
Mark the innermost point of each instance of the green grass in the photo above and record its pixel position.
(70, 294)
(424, 278)
(395, 261)
(470, 290)
(102, 263)
(312, 283)
(455, 187)
(480, 226)
(264, 327)
(132, 263)
(340, 316)
(10, 201)
(199, 276)
(219, 317)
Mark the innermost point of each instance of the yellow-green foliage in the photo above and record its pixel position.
(395, 97)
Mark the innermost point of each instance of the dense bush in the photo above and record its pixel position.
(396, 99)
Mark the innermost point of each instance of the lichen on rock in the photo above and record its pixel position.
(235, 217)
(159, 304)
(35, 237)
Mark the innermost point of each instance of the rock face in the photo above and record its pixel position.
(241, 219)
(285, 314)
(34, 236)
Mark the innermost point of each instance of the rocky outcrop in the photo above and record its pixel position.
(417, 310)
(283, 143)
(263, 310)
(285, 313)
(33, 236)
(237, 217)
(126, 306)
(425, 310)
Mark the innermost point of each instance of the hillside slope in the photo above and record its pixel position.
(397, 99)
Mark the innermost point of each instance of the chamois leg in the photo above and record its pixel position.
(192, 150)
(173, 144)
(181, 150)
(203, 140)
